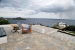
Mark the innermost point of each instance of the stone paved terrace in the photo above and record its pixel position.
(38, 41)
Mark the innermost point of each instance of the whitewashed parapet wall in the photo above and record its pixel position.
(3, 39)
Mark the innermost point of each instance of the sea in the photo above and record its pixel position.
(43, 21)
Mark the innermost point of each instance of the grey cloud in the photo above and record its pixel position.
(25, 4)
(14, 3)
(56, 8)
(18, 5)
(74, 0)
(0, 0)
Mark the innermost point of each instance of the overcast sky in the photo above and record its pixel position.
(56, 9)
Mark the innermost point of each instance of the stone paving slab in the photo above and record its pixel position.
(34, 41)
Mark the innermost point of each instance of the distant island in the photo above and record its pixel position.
(18, 18)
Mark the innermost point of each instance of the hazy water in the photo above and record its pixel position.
(47, 22)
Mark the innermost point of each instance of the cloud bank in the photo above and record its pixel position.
(58, 9)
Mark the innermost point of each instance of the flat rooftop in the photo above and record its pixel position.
(33, 41)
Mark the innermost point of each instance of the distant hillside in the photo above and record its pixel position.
(18, 18)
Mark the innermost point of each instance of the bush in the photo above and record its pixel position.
(4, 22)
(70, 28)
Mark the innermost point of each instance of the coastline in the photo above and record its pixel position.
(46, 22)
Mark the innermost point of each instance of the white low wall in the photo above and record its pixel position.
(3, 40)
(25, 25)
(37, 29)
(5, 26)
(9, 28)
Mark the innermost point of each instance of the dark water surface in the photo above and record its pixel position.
(47, 22)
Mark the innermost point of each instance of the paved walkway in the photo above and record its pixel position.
(52, 40)
(34, 41)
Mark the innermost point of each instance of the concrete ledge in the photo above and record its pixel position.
(25, 25)
(37, 29)
(3, 40)
(13, 25)
(5, 26)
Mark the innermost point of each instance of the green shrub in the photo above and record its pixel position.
(70, 28)
(4, 22)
